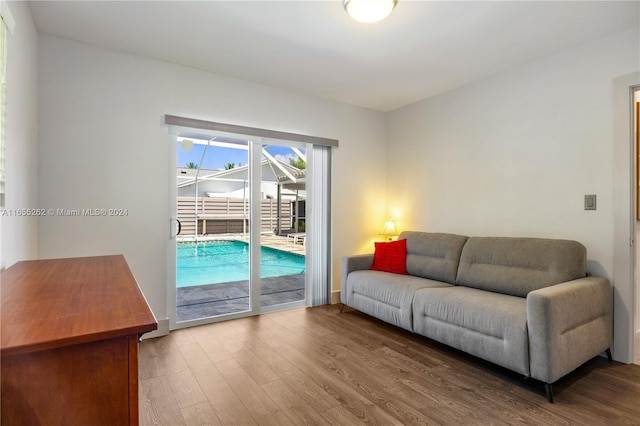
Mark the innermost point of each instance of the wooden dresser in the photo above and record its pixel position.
(69, 336)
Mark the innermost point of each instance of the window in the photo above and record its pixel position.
(7, 25)
(3, 102)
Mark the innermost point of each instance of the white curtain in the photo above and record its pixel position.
(318, 225)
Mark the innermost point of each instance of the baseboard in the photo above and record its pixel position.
(335, 297)
(163, 329)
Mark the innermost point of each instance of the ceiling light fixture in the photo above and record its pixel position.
(369, 11)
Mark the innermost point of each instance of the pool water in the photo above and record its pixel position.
(213, 262)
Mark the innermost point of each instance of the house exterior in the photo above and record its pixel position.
(233, 183)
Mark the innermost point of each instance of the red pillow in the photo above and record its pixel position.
(390, 257)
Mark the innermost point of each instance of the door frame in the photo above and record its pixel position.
(625, 253)
(322, 288)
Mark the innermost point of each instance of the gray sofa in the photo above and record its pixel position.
(526, 304)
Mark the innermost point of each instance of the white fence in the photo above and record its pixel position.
(231, 215)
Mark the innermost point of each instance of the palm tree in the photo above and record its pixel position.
(192, 165)
(298, 163)
(229, 166)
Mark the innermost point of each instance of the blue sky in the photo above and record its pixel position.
(218, 157)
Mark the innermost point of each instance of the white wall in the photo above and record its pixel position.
(19, 235)
(515, 154)
(102, 145)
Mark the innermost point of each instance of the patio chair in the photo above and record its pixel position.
(296, 236)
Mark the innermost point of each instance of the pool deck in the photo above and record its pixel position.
(211, 300)
(277, 242)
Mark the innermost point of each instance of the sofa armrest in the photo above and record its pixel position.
(568, 323)
(353, 263)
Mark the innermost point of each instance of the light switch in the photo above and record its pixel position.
(590, 202)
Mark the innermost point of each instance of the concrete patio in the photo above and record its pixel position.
(218, 299)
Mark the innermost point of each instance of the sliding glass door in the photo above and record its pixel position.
(283, 251)
(240, 212)
(213, 206)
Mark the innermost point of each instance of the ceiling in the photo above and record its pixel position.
(312, 47)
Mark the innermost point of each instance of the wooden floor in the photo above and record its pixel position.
(320, 366)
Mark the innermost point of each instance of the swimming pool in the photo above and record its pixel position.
(213, 262)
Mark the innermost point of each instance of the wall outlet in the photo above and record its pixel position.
(590, 202)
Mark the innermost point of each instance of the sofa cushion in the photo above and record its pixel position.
(492, 326)
(385, 295)
(390, 257)
(517, 266)
(433, 255)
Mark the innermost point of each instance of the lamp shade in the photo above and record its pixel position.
(369, 11)
(389, 229)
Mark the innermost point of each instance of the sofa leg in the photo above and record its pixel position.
(342, 307)
(609, 354)
(549, 390)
